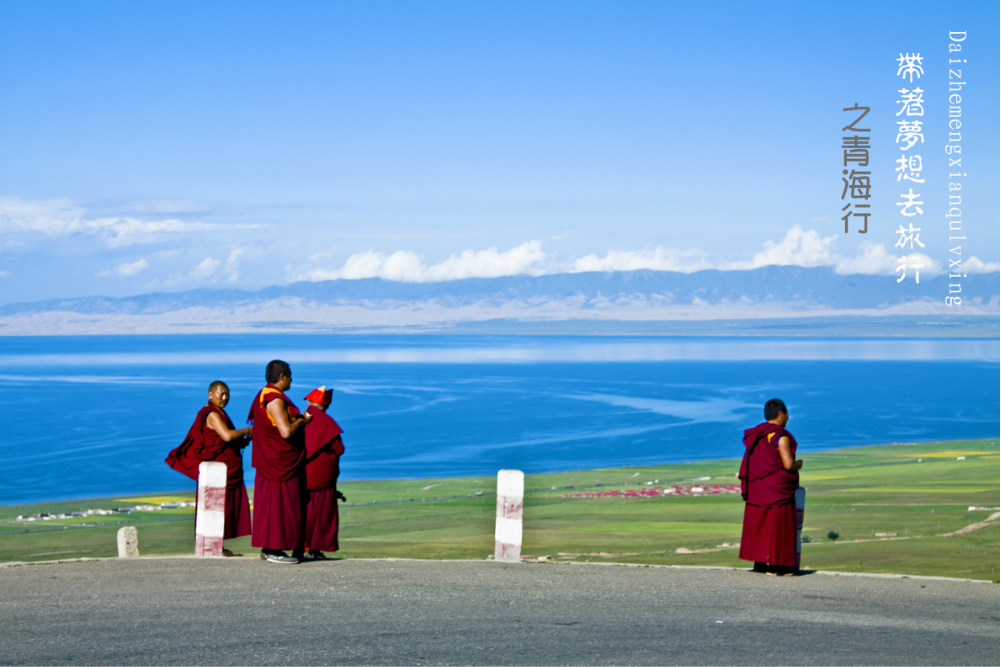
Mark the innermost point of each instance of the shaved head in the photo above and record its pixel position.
(217, 384)
(275, 370)
(774, 408)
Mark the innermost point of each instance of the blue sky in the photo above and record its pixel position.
(172, 145)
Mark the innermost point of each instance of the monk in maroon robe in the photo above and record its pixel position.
(212, 437)
(323, 452)
(279, 456)
(769, 476)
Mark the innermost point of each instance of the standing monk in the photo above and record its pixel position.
(769, 476)
(323, 453)
(279, 456)
(213, 438)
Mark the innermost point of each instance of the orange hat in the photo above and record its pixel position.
(321, 395)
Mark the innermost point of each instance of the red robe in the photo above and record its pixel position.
(204, 444)
(280, 482)
(769, 533)
(323, 451)
(182, 458)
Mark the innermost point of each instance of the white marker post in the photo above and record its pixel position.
(800, 507)
(510, 503)
(128, 542)
(210, 515)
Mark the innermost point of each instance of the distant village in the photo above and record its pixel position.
(653, 491)
(121, 510)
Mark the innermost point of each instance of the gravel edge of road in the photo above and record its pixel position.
(875, 575)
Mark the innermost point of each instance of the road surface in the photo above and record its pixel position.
(395, 612)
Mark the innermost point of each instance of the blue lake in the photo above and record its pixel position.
(95, 416)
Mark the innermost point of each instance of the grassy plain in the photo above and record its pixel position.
(920, 492)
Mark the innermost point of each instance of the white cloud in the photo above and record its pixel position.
(124, 231)
(401, 265)
(975, 265)
(318, 257)
(205, 268)
(4, 274)
(798, 248)
(406, 266)
(128, 269)
(657, 259)
(51, 217)
(209, 270)
(809, 249)
(233, 265)
(872, 259)
(490, 263)
(60, 217)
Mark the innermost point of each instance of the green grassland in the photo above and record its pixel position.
(918, 491)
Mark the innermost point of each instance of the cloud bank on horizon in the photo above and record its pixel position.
(170, 242)
(799, 247)
(210, 260)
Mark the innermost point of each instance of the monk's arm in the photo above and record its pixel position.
(786, 453)
(215, 423)
(286, 427)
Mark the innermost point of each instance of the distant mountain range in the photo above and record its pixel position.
(772, 291)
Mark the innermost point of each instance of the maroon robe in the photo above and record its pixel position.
(204, 444)
(323, 451)
(769, 532)
(182, 458)
(280, 480)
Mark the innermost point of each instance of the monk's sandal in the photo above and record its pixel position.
(279, 557)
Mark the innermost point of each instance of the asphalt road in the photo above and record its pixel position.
(359, 612)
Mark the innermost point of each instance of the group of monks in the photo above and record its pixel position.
(296, 456)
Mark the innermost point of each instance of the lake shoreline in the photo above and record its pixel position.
(451, 406)
(389, 480)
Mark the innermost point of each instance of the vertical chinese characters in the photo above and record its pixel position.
(857, 183)
(909, 135)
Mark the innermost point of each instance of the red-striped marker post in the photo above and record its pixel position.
(510, 503)
(210, 515)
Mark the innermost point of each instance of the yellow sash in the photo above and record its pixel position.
(264, 392)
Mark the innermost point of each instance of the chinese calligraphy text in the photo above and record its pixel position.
(857, 181)
(910, 133)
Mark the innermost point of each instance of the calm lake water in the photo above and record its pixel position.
(95, 416)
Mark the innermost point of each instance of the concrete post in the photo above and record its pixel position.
(128, 542)
(210, 512)
(510, 503)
